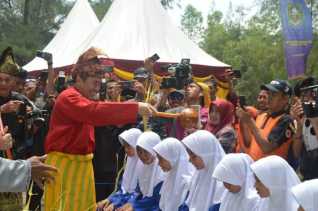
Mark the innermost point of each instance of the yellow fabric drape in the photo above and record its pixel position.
(222, 92)
(73, 188)
(206, 93)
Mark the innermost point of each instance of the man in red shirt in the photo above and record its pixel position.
(70, 140)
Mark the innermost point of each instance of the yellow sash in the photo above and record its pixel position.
(74, 188)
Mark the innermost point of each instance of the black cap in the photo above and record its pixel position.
(278, 86)
(310, 81)
(176, 94)
(141, 73)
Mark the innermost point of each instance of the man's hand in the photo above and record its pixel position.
(149, 64)
(145, 109)
(126, 207)
(41, 172)
(297, 112)
(110, 207)
(102, 204)
(11, 106)
(6, 140)
(242, 115)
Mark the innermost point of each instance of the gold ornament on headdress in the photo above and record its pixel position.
(8, 64)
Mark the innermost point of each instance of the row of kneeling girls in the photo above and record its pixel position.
(195, 174)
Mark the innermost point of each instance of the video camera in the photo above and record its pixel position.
(38, 117)
(180, 73)
(311, 107)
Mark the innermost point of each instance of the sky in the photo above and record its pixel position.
(205, 6)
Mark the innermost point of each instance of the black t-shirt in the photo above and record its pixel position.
(283, 130)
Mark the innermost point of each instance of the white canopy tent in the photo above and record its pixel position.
(135, 29)
(78, 25)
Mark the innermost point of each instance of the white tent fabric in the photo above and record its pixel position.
(136, 29)
(78, 25)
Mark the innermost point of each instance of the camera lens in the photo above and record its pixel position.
(307, 123)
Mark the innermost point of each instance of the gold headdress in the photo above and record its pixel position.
(8, 64)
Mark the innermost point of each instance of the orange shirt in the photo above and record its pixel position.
(266, 123)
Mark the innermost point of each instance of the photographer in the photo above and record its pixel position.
(144, 79)
(272, 131)
(13, 108)
(13, 105)
(262, 101)
(113, 91)
(139, 85)
(306, 138)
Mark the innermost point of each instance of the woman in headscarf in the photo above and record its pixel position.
(306, 194)
(221, 118)
(235, 172)
(205, 153)
(274, 181)
(150, 176)
(128, 140)
(174, 160)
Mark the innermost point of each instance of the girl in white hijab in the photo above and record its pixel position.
(235, 172)
(306, 194)
(274, 180)
(205, 153)
(128, 140)
(174, 160)
(149, 177)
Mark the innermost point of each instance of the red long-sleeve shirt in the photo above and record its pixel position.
(74, 117)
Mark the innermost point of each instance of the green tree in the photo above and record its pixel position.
(192, 23)
(28, 25)
(169, 4)
(255, 47)
(100, 7)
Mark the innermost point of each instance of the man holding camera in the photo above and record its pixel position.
(271, 132)
(13, 108)
(70, 141)
(305, 112)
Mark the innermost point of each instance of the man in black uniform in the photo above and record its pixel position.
(13, 115)
(13, 105)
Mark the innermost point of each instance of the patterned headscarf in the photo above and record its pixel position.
(226, 110)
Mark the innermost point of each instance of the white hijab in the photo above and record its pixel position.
(235, 169)
(176, 185)
(306, 194)
(129, 182)
(149, 175)
(204, 190)
(277, 175)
